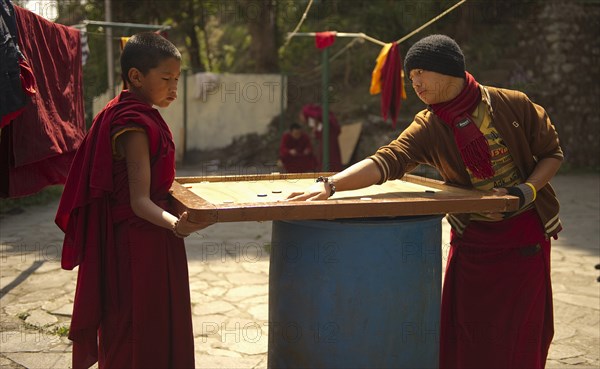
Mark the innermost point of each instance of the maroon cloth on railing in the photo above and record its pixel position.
(324, 39)
(39, 144)
(497, 296)
(132, 286)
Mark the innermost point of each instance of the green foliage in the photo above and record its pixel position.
(220, 29)
(231, 55)
(61, 331)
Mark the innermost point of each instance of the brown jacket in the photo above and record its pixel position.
(524, 126)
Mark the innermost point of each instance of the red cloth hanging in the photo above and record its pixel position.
(324, 39)
(391, 83)
(37, 147)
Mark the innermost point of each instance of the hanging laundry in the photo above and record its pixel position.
(388, 77)
(324, 39)
(376, 75)
(16, 79)
(123, 41)
(36, 149)
(85, 47)
(395, 80)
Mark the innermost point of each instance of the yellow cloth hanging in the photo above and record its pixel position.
(376, 76)
(124, 41)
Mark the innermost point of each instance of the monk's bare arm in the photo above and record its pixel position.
(543, 172)
(136, 150)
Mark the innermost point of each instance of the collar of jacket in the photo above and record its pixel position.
(485, 96)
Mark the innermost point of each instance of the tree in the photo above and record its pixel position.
(260, 16)
(190, 22)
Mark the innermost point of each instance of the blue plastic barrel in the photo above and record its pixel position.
(355, 293)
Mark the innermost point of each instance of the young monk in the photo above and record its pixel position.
(296, 152)
(497, 296)
(132, 302)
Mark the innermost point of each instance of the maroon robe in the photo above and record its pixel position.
(497, 296)
(335, 155)
(132, 286)
(301, 162)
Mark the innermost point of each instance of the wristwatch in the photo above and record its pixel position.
(328, 181)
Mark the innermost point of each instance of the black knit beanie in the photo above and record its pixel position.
(436, 53)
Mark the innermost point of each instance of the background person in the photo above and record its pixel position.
(296, 151)
(312, 115)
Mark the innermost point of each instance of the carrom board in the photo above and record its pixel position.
(262, 197)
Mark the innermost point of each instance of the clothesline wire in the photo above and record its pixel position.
(82, 27)
(103, 34)
(157, 27)
(401, 40)
(379, 42)
(372, 39)
(357, 36)
(343, 34)
(334, 56)
(290, 35)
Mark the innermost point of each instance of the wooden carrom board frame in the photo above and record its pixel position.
(424, 197)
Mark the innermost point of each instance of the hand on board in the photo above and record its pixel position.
(318, 191)
(186, 227)
(497, 192)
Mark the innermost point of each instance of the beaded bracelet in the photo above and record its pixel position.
(175, 232)
(328, 181)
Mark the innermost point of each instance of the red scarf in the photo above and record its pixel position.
(471, 143)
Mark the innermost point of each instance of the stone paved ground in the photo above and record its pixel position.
(229, 286)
